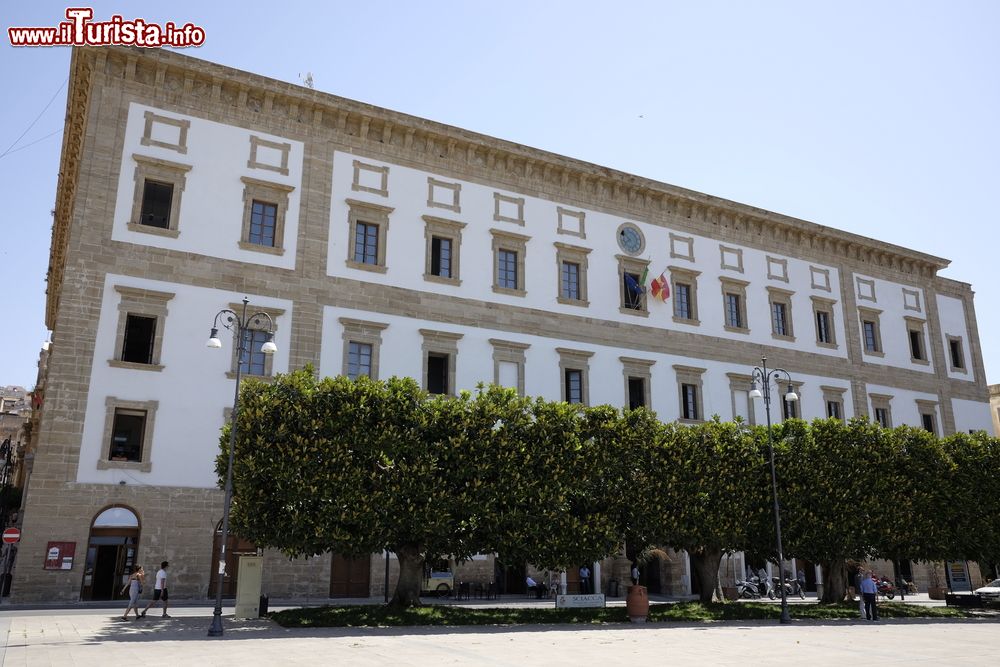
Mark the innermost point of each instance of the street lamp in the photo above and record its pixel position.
(241, 325)
(760, 387)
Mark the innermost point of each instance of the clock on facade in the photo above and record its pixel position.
(630, 239)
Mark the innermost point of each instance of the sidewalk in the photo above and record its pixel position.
(99, 637)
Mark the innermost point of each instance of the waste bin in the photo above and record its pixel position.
(263, 606)
(613, 588)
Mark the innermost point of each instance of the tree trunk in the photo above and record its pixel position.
(834, 581)
(411, 576)
(705, 561)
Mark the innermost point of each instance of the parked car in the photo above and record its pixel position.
(990, 591)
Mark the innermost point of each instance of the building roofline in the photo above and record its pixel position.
(621, 185)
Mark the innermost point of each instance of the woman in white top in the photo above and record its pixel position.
(134, 586)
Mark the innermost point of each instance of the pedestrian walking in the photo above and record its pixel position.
(869, 590)
(585, 580)
(134, 588)
(159, 590)
(635, 573)
(858, 577)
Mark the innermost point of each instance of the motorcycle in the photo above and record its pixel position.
(792, 587)
(749, 589)
(886, 589)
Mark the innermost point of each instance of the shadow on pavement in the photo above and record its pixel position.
(195, 628)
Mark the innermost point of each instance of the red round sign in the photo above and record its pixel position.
(11, 535)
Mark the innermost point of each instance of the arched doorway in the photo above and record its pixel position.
(235, 547)
(111, 549)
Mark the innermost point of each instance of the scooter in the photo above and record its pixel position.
(886, 589)
(792, 587)
(749, 589)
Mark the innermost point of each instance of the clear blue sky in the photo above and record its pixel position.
(879, 118)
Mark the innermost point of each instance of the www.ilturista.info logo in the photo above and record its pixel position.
(80, 30)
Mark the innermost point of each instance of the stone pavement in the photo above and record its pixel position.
(84, 637)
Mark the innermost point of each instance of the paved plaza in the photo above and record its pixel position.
(91, 636)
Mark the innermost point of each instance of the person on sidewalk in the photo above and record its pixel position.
(635, 573)
(584, 580)
(159, 590)
(869, 590)
(134, 587)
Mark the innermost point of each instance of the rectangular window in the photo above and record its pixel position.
(833, 410)
(882, 417)
(928, 422)
(823, 333)
(789, 409)
(632, 291)
(682, 301)
(263, 222)
(871, 336)
(253, 361)
(689, 401)
(957, 355)
(916, 346)
(140, 333)
(570, 280)
(734, 317)
(636, 393)
(359, 360)
(437, 373)
(507, 269)
(441, 257)
(366, 243)
(127, 435)
(156, 199)
(779, 317)
(574, 385)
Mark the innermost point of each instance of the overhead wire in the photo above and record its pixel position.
(28, 129)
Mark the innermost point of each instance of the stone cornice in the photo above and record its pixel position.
(77, 110)
(299, 110)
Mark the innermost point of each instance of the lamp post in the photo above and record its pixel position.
(239, 324)
(763, 376)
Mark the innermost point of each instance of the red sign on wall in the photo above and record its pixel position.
(59, 555)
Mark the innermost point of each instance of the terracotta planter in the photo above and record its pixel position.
(936, 592)
(637, 604)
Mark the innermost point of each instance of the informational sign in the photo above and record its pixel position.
(576, 601)
(959, 577)
(11, 535)
(59, 555)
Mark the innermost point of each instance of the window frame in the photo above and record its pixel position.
(929, 409)
(572, 254)
(872, 315)
(143, 303)
(443, 228)
(690, 375)
(881, 402)
(361, 331)
(952, 341)
(444, 343)
(737, 288)
(834, 395)
(509, 242)
(576, 360)
(639, 369)
(781, 297)
(783, 404)
(372, 214)
(916, 325)
(265, 192)
(161, 171)
(510, 352)
(112, 405)
(634, 266)
(684, 276)
(739, 382)
(828, 307)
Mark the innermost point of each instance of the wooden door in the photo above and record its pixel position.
(350, 577)
(235, 547)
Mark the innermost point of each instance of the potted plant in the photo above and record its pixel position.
(935, 589)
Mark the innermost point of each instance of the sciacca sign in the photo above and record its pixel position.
(570, 601)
